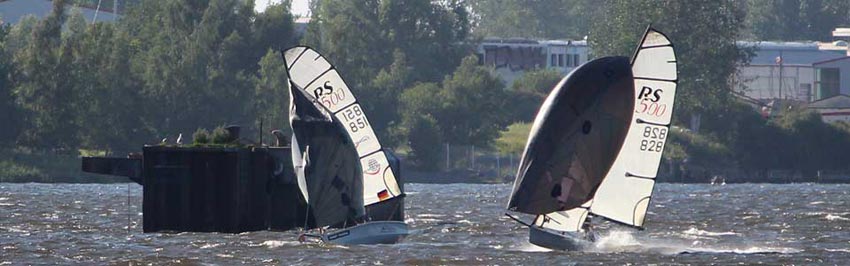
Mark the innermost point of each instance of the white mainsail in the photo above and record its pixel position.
(315, 76)
(626, 190)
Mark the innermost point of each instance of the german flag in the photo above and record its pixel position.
(384, 194)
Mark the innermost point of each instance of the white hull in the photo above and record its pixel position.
(378, 232)
(556, 240)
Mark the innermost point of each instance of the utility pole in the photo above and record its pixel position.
(779, 61)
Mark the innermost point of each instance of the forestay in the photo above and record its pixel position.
(625, 192)
(327, 168)
(315, 76)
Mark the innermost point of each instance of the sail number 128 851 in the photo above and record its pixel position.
(354, 118)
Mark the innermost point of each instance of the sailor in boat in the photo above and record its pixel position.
(588, 230)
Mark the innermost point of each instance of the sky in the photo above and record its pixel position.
(299, 7)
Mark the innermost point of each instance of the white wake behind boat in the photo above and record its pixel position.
(571, 170)
(340, 165)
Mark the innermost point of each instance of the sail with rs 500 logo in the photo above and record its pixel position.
(626, 190)
(319, 80)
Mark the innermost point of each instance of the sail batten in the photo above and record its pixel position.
(624, 195)
(315, 76)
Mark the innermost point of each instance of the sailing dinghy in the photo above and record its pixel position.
(341, 168)
(571, 170)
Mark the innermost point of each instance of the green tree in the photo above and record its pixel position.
(530, 90)
(376, 45)
(419, 106)
(273, 28)
(424, 141)
(795, 20)
(8, 111)
(384, 95)
(706, 52)
(473, 109)
(44, 90)
(271, 93)
(534, 19)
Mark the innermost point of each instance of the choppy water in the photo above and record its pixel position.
(458, 224)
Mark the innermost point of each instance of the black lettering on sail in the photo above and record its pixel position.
(647, 91)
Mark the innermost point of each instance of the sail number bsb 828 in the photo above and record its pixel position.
(653, 139)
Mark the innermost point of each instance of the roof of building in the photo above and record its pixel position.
(832, 60)
(792, 53)
(840, 101)
(524, 41)
(11, 11)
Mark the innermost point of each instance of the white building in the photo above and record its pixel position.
(786, 70)
(512, 57)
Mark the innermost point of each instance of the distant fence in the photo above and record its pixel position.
(469, 162)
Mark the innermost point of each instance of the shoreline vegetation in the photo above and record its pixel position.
(415, 68)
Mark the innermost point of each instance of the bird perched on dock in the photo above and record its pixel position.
(180, 139)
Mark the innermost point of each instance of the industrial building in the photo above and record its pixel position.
(512, 57)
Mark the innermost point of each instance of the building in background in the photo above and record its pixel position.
(11, 11)
(832, 109)
(512, 57)
(784, 71)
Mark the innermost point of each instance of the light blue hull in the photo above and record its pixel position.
(556, 240)
(379, 232)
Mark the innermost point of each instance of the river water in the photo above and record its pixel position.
(455, 224)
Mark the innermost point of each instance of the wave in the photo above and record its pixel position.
(528, 247)
(832, 217)
(748, 250)
(699, 232)
(625, 241)
(276, 243)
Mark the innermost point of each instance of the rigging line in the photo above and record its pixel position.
(517, 219)
(306, 217)
(128, 209)
(96, 10)
(550, 219)
(395, 209)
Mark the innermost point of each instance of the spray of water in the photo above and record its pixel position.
(628, 241)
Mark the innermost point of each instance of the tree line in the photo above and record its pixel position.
(173, 66)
